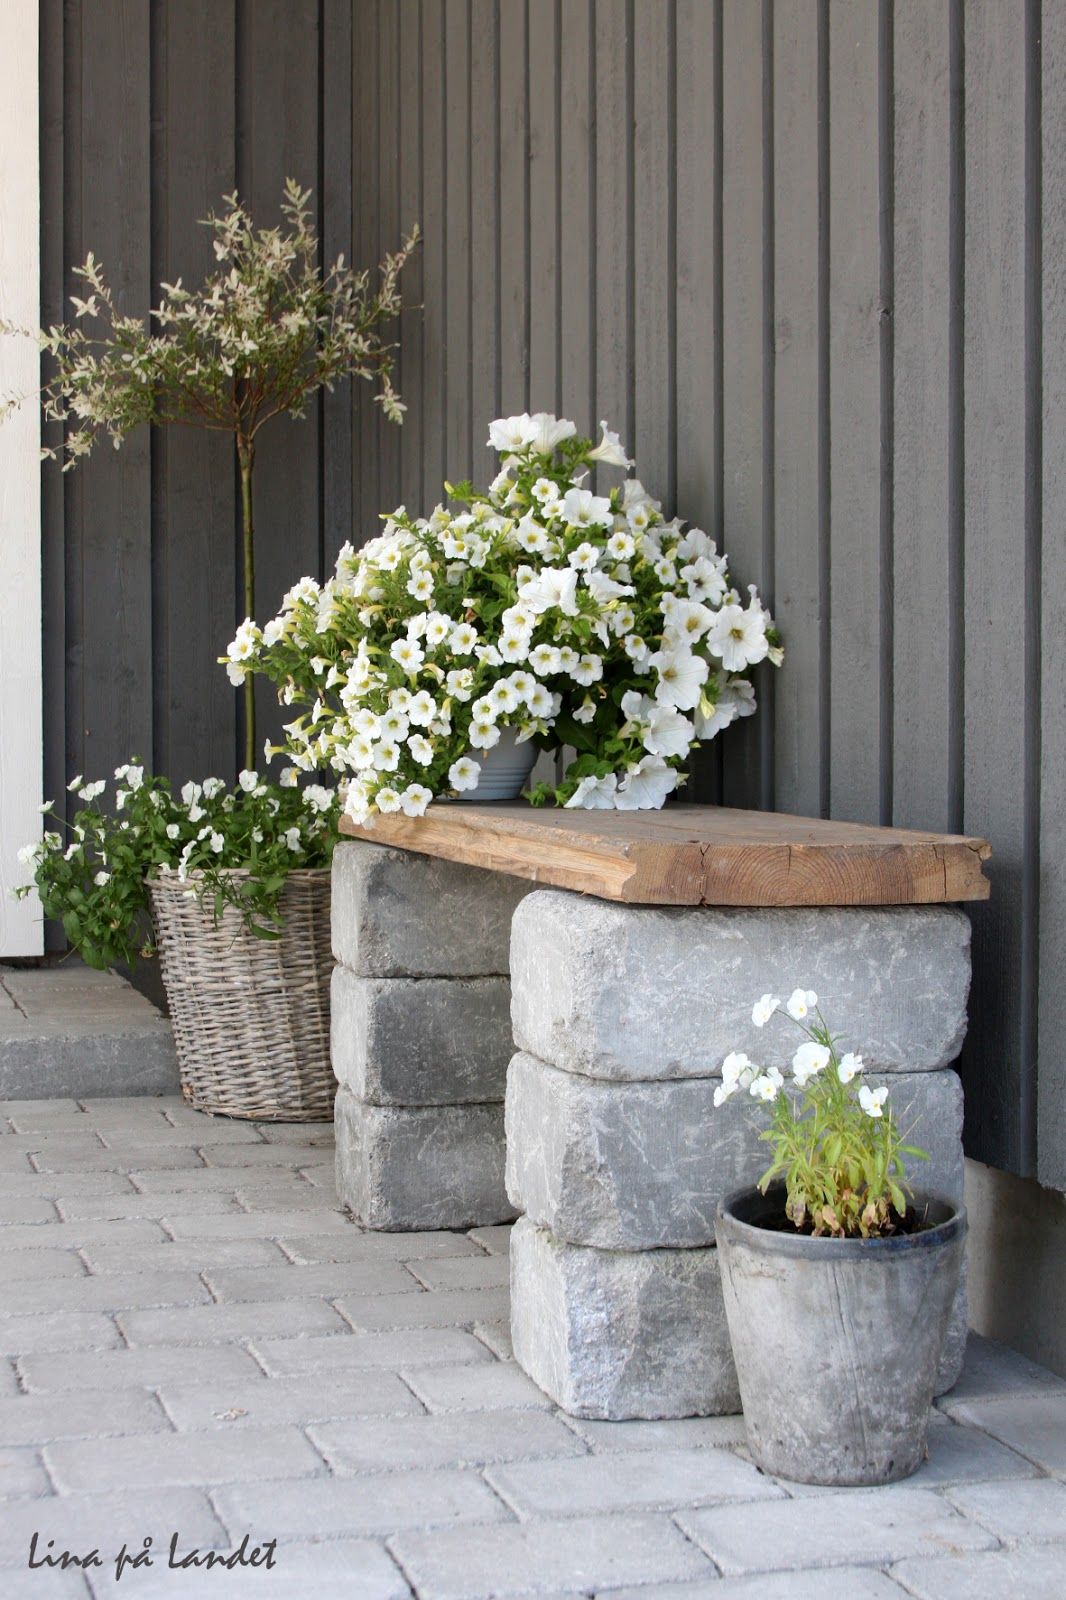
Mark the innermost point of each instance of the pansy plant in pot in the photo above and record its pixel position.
(838, 1279)
(539, 614)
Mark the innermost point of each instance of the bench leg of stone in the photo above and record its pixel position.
(421, 1037)
(616, 1157)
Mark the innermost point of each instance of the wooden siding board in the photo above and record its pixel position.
(484, 234)
(434, 253)
(697, 289)
(410, 356)
(388, 220)
(514, 208)
(855, 413)
(367, 239)
(653, 248)
(279, 140)
(457, 447)
(995, 509)
(744, 299)
(1051, 1124)
(194, 526)
(577, 243)
(335, 167)
(921, 318)
(614, 355)
(797, 489)
(544, 202)
(115, 487)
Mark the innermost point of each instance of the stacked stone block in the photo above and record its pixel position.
(616, 1155)
(421, 1037)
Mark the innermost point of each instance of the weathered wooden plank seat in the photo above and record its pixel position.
(637, 943)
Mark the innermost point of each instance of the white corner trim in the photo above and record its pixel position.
(21, 930)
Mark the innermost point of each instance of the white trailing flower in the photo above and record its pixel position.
(810, 1059)
(763, 1009)
(800, 1003)
(872, 1101)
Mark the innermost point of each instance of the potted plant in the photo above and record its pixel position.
(442, 655)
(838, 1280)
(231, 886)
(265, 330)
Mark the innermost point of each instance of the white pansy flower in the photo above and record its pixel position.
(810, 1059)
(289, 778)
(849, 1066)
(873, 1100)
(767, 1084)
(26, 854)
(91, 790)
(763, 1009)
(248, 780)
(737, 1073)
(101, 878)
(217, 843)
(800, 1002)
(75, 783)
(173, 830)
(464, 774)
(292, 839)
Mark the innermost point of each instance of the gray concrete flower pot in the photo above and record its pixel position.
(836, 1341)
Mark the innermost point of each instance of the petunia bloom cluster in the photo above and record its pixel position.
(836, 1144)
(543, 609)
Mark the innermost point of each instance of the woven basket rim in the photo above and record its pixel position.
(167, 877)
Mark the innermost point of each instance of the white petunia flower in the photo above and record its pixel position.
(548, 431)
(463, 638)
(289, 778)
(544, 489)
(464, 774)
(621, 545)
(484, 734)
(738, 637)
(800, 1002)
(26, 854)
(681, 677)
(584, 558)
(514, 646)
(420, 749)
(75, 783)
(409, 654)
(668, 732)
(422, 709)
(849, 1066)
(540, 702)
(544, 659)
(872, 1100)
(587, 671)
(763, 1009)
(646, 785)
(610, 450)
(594, 794)
(586, 711)
(552, 588)
(387, 800)
(582, 509)
(415, 799)
(810, 1059)
(529, 534)
(385, 756)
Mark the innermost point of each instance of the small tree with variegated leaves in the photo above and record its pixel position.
(263, 332)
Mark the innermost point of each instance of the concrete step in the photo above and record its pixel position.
(66, 1030)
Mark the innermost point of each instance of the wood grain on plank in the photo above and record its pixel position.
(697, 855)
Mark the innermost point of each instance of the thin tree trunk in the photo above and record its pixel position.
(246, 454)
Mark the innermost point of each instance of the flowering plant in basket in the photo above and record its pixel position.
(231, 846)
(836, 1145)
(540, 609)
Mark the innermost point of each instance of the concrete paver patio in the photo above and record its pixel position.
(196, 1341)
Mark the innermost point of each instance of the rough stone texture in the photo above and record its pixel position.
(639, 1166)
(397, 914)
(642, 992)
(619, 1334)
(616, 1334)
(420, 1041)
(72, 1031)
(421, 1167)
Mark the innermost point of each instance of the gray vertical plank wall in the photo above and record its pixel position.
(806, 254)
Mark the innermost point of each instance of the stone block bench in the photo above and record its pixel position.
(633, 965)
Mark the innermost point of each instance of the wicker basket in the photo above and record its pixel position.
(250, 1016)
